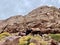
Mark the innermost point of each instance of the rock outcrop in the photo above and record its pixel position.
(46, 18)
(11, 40)
(12, 24)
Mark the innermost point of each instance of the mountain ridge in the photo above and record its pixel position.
(44, 18)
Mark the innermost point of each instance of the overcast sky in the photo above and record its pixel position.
(22, 7)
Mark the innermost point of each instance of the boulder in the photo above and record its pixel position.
(11, 40)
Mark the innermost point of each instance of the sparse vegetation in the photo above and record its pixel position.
(3, 35)
(32, 40)
(55, 36)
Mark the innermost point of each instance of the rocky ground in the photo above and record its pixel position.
(43, 20)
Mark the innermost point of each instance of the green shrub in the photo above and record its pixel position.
(55, 36)
(26, 40)
(3, 35)
(32, 44)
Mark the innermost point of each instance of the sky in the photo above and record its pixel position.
(10, 8)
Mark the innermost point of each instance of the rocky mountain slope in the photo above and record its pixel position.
(46, 18)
